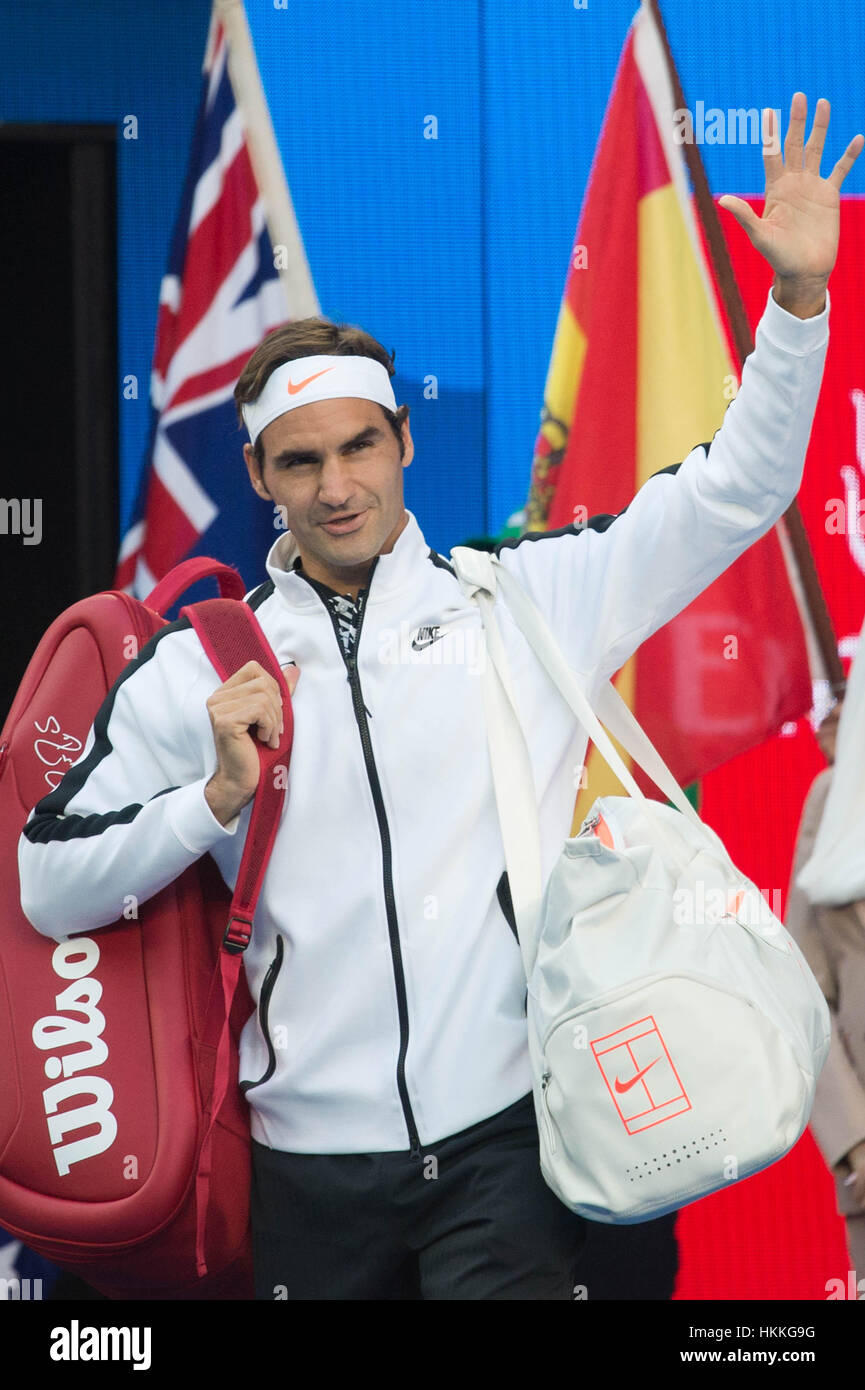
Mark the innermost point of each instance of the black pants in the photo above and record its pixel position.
(471, 1219)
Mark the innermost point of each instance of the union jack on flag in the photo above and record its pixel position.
(220, 296)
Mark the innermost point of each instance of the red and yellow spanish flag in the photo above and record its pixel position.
(641, 371)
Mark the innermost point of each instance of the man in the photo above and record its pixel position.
(831, 933)
(395, 1153)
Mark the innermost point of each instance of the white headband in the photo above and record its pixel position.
(320, 378)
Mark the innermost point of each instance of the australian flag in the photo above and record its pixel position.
(219, 298)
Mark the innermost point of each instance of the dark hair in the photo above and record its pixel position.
(309, 338)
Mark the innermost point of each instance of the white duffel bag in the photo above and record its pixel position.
(676, 1032)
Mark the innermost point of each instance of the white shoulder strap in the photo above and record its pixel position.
(480, 573)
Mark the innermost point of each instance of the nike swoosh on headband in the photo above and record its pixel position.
(293, 389)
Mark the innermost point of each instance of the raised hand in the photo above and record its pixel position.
(798, 231)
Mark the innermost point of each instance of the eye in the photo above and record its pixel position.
(362, 444)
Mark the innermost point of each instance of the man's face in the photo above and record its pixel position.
(334, 469)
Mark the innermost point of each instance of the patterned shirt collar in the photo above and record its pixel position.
(343, 607)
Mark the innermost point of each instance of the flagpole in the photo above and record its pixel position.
(819, 632)
(266, 162)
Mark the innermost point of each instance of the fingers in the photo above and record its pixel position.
(772, 161)
(292, 676)
(249, 700)
(253, 670)
(847, 160)
(250, 713)
(244, 673)
(742, 211)
(793, 145)
(814, 147)
(799, 156)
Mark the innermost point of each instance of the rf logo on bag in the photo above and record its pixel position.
(644, 1085)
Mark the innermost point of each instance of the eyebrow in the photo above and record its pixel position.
(295, 455)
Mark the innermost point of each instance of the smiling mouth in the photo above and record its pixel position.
(344, 523)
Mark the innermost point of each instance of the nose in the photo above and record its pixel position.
(334, 484)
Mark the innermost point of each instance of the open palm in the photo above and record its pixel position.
(798, 231)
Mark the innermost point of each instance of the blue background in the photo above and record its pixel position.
(451, 251)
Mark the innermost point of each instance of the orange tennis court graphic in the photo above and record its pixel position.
(644, 1085)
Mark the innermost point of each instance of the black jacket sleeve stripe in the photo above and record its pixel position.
(50, 827)
(601, 522)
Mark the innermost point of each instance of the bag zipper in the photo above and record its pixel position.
(545, 1112)
(631, 988)
(588, 825)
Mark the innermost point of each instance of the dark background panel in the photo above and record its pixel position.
(58, 437)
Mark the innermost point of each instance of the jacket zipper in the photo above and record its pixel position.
(360, 714)
(263, 1008)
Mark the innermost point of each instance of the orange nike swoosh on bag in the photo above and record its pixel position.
(622, 1086)
(293, 389)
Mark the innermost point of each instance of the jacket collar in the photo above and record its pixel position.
(400, 568)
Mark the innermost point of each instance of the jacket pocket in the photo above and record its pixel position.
(263, 1008)
(503, 893)
(506, 903)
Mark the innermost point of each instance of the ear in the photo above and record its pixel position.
(409, 444)
(255, 473)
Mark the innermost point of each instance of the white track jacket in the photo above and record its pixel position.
(388, 980)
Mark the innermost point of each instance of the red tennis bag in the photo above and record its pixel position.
(124, 1138)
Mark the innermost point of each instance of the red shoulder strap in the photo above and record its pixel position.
(188, 572)
(231, 636)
